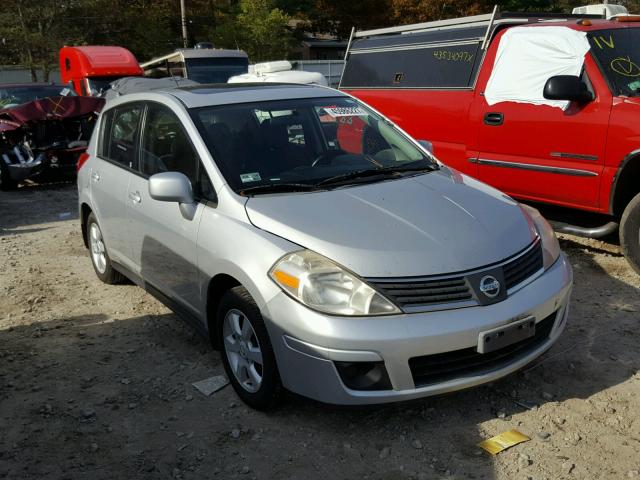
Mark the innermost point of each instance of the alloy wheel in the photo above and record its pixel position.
(243, 350)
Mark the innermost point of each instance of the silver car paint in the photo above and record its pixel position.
(424, 225)
(226, 242)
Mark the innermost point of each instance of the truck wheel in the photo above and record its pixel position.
(246, 351)
(630, 233)
(98, 253)
(6, 182)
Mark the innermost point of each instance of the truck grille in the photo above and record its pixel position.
(432, 292)
(443, 367)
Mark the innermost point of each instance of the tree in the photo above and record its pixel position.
(263, 30)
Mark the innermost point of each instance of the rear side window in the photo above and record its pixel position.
(121, 129)
(452, 66)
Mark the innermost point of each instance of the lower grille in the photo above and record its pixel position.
(442, 367)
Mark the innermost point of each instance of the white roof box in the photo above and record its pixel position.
(606, 9)
(271, 67)
(288, 76)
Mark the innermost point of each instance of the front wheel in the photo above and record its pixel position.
(247, 353)
(630, 233)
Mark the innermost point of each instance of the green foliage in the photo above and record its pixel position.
(33, 31)
(263, 30)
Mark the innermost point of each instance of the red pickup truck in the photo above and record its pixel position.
(545, 108)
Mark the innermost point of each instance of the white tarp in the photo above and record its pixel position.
(528, 56)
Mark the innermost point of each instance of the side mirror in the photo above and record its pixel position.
(427, 145)
(567, 87)
(173, 187)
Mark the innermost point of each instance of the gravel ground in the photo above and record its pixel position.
(95, 382)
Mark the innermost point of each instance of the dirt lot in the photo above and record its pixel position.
(95, 383)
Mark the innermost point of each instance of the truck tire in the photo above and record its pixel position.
(630, 233)
(6, 182)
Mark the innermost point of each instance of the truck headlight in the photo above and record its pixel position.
(320, 284)
(550, 245)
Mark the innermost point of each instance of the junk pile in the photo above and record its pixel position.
(48, 134)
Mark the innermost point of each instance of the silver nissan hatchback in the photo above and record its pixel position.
(319, 247)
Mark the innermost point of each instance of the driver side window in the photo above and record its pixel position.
(166, 147)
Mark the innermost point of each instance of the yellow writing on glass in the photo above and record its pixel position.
(625, 66)
(448, 55)
(602, 41)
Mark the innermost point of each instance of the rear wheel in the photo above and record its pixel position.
(630, 233)
(98, 253)
(247, 353)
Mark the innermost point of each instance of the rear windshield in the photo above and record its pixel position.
(301, 141)
(617, 51)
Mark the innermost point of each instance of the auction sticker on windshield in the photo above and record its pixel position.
(345, 111)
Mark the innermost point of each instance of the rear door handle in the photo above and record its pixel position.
(135, 197)
(95, 176)
(493, 119)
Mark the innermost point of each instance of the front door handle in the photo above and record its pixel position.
(95, 176)
(135, 197)
(493, 119)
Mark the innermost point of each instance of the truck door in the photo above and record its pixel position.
(543, 153)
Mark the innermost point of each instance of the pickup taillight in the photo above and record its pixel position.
(81, 160)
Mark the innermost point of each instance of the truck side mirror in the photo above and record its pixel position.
(567, 87)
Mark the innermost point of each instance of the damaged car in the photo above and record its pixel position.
(46, 134)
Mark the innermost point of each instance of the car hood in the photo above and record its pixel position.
(435, 223)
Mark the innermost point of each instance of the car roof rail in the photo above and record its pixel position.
(488, 20)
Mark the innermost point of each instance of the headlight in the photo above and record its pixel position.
(320, 284)
(550, 245)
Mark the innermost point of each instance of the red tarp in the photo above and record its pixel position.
(52, 108)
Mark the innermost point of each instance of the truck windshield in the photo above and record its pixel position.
(617, 50)
(99, 85)
(216, 69)
(306, 143)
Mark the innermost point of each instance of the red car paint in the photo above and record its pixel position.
(87, 64)
(605, 130)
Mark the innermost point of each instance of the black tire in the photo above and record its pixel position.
(109, 276)
(270, 390)
(630, 233)
(6, 182)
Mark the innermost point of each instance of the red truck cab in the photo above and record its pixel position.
(432, 79)
(90, 69)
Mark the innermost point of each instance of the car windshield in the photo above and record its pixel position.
(293, 144)
(618, 54)
(23, 94)
(215, 69)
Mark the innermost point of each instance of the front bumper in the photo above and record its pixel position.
(307, 343)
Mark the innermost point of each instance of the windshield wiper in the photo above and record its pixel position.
(279, 187)
(385, 171)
